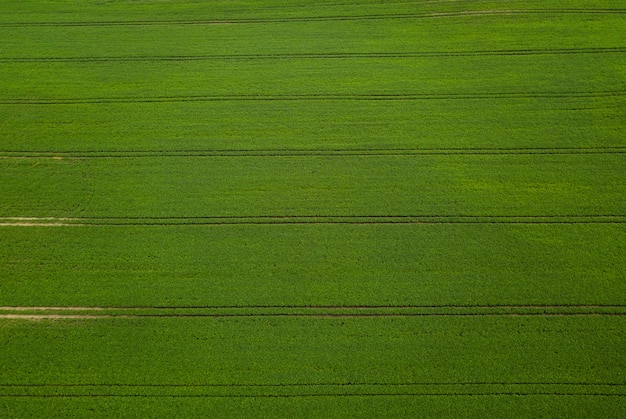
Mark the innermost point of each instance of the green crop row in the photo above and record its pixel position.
(294, 365)
(306, 125)
(324, 265)
(483, 185)
(449, 76)
(296, 351)
(443, 34)
(63, 11)
(314, 407)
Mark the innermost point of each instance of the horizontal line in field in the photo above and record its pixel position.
(25, 221)
(78, 313)
(344, 384)
(307, 152)
(265, 395)
(356, 55)
(323, 307)
(295, 19)
(313, 97)
(38, 317)
(313, 390)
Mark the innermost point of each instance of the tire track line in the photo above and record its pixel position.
(318, 307)
(72, 313)
(328, 18)
(103, 154)
(315, 97)
(226, 396)
(306, 220)
(39, 317)
(371, 384)
(269, 220)
(381, 55)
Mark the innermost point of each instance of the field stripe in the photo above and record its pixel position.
(356, 55)
(102, 154)
(315, 97)
(97, 313)
(39, 317)
(621, 307)
(328, 18)
(324, 307)
(111, 221)
(312, 390)
(280, 396)
(345, 384)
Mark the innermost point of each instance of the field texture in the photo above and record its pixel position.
(313, 208)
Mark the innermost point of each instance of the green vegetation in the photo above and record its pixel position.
(249, 351)
(312, 209)
(275, 265)
(285, 365)
(276, 79)
(310, 125)
(482, 185)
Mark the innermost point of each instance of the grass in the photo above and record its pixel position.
(306, 209)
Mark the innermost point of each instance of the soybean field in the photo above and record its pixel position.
(346, 208)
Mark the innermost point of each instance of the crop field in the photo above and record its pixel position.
(303, 208)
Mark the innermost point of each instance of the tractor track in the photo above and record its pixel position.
(315, 97)
(112, 221)
(376, 152)
(326, 18)
(328, 312)
(319, 56)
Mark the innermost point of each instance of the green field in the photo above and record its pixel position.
(313, 209)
